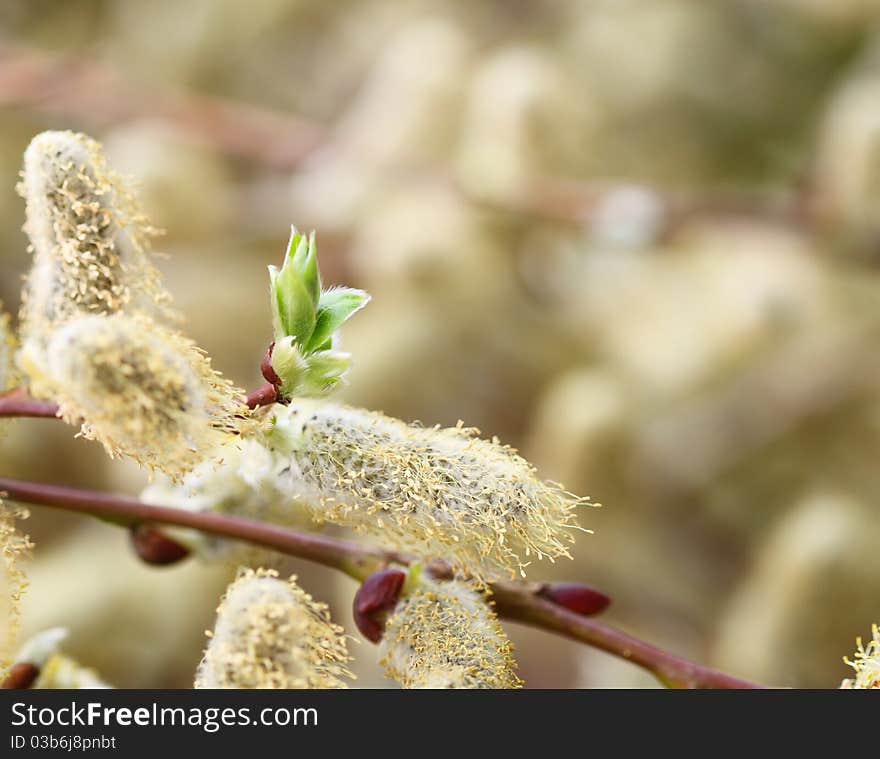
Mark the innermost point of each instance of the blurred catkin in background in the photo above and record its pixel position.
(636, 239)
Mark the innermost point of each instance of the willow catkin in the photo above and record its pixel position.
(93, 334)
(90, 243)
(866, 663)
(427, 490)
(271, 634)
(445, 635)
(142, 390)
(15, 547)
(89, 231)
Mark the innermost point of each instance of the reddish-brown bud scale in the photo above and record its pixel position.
(575, 597)
(264, 395)
(377, 596)
(267, 369)
(21, 675)
(155, 548)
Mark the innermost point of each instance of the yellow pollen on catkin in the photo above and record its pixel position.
(143, 391)
(15, 547)
(89, 238)
(94, 317)
(866, 663)
(445, 635)
(425, 490)
(271, 634)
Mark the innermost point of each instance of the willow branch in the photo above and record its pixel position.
(354, 559)
(517, 602)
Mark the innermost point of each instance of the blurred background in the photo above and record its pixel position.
(637, 239)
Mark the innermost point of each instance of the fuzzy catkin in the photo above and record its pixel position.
(15, 547)
(427, 490)
(142, 390)
(271, 634)
(866, 663)
(93, 317)
(90, 243)
(445, 635)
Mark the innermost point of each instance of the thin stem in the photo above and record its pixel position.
(19, 403)
(514, 602)
(511, 602)
(352, 558)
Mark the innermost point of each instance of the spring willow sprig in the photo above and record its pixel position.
(98, 341)
(272, 634)
(429, 491)
(305, 319)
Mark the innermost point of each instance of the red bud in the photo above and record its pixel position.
(21, 675)
(575, 597)
(376, 596)
(268, 370)
(155, 548)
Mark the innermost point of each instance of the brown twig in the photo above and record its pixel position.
(19, 403)
(518, 602)
(514, 603)
(352, 558)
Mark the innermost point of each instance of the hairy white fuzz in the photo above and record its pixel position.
(445, 635)
(272, 634)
